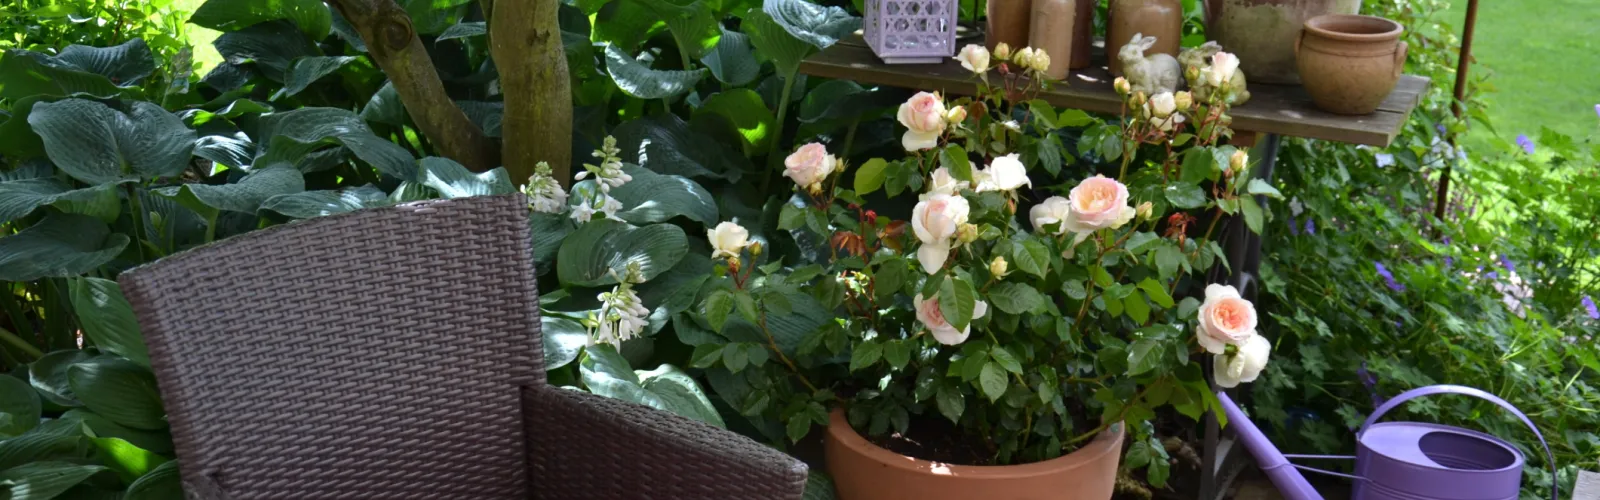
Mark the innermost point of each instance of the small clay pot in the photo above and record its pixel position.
(1350, 63)
(864, 471)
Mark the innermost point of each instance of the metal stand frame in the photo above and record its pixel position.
(1223, 460)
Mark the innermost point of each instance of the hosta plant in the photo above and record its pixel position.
(1028, 314)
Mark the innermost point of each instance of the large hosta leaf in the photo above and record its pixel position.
(120, 390)
(640, 81)
(311, 16)
(772, 40)
(319, 203)
(667, 388)
(844, 100)
(48, 376)
(229, 77)
(234, 151)
(124, 64)
(692, 25)
(271, 45)
(547, 231)
(817, 25)
(743, 111)
(291, 135)
(385, 107)
(431, 17)
(59, 246)
(24, 73)
(245, 196)
(160, 483)
(486, 114)
(20, 198)
(625, 23)
(563, 340)
(127, 460)
(57, 439)
(652, 197)
(19, 407)
(464, 30)
(665, 144)
(106, 317)
(601, 250)
(732, 61)
(99, 145)
(306, 70)
(47, 480)
(159, 441)
(452, 180)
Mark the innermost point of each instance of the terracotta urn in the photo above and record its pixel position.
(1162, 19)
(1008, 21)
(1263, 32)
(864, 471)
(1348, 63)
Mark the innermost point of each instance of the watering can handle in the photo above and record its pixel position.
(1468, 391)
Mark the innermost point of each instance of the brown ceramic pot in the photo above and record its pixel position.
(864, 471)
(1263, 32)
(1349, 64)
(1082, 34)
(1162, 19)
(1007, 21)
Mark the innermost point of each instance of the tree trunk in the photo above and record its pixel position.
(537, 126)
(393, 44)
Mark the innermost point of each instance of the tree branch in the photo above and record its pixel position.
(393, 44)
(526, 45)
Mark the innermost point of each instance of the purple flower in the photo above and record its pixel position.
(1588, 303)
(1525, 142)
(1371, 382)
(1440, 126)
(1292, 225)
(1506, 263)
(1494, 275)
(1448, 241)
(1597, 110)
(1311, 226)
(1449, 262)
(1389, 278)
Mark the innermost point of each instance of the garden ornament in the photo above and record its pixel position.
(1200, 57)
(1151, 74)
(1406, 460)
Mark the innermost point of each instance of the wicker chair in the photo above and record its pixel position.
(395, 353)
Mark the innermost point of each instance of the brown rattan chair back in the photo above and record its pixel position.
(377, 354)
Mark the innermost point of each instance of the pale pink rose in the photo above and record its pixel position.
(1053, 210)
(1005, 173)
(929, 314)
(941, 182)
(935, 221)
(924, 118)
(975, 58)
(1225, 318)
(1244, 365)
(809, 165)
(1222, 66)
(1097, 203)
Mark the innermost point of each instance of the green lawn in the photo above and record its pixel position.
(1543, 58)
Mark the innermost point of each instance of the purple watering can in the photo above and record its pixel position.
(1406, 460)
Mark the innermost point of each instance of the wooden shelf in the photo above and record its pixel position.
(1273, 109)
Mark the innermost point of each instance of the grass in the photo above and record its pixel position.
(1541, 58)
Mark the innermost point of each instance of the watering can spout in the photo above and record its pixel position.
(1277, 467)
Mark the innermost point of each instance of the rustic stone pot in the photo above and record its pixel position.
(1349, 64)
(1263, 32)
(864, 471)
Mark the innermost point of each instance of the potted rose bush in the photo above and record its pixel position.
(1014, 331)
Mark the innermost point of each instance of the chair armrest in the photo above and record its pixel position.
(585, 446)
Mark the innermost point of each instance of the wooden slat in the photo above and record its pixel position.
(1273, 109)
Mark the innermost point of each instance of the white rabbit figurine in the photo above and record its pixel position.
(1151, 74)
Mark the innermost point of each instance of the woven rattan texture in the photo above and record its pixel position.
(377, 354)
(582, 446)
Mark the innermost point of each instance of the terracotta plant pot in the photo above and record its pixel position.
(1349, 64)
(864, 471)
(1263, 32)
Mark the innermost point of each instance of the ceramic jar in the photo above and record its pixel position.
(1350, 63)
(865, 471)
(1051, 32)
(1008, 22)
(1263, 32)
(1162, 19)
(1082, 33)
